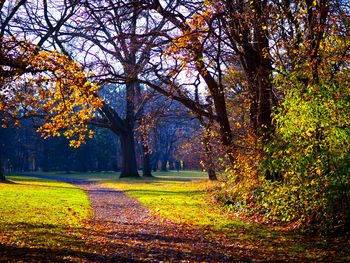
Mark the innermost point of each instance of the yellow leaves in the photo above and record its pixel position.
(91, 134)
(184, 47)
(309, 132)
(56, 86)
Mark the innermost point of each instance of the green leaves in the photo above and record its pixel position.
(311, 149)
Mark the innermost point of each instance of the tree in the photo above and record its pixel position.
(207, 41)
(41, 83)
(188, 51)
(167, 125)
(310, 150)
(111, 30)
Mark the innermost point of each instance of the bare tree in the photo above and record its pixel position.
(112, 38)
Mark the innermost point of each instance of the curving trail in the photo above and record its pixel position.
(126, 231)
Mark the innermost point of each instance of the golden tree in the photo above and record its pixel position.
(45, 84)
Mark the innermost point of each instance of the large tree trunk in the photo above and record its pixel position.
(257, 66)
(129, 158)
(212, 174)
(260, 94)
(125, 131)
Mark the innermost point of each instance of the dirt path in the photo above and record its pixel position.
(125, 231)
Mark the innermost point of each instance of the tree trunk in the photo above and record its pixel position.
(171, 164)
(209, 159)
(146, 165)
(129, 158)
(164, 163)
(124, 129)
(2, 176)
(225, 129)
(212, 174)
(154, 161)
(218, 96)
(260, 101)
(208, 150)
(257, 65)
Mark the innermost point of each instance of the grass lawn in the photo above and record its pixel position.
(40, 214)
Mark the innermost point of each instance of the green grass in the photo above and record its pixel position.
(78, 175)
(40, 213)
(180, 196)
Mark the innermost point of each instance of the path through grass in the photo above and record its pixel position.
(179, 196)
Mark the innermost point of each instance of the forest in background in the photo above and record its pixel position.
(261, 86)
(24, 150)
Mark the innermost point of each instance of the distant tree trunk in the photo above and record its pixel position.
(129, 168)
(146, 165)
(171, 164)
(177, 166)
(164, 163)
(2, 176)
(209, 160)
(209, 163)
(154, 163)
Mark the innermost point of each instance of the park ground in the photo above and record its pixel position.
(96, 217)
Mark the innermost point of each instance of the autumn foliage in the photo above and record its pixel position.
(46, 85)
(302, 173)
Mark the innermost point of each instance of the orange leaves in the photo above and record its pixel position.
(184, 47)
(47, 83)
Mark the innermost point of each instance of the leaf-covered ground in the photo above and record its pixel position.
(166, 227)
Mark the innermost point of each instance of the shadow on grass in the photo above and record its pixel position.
(175, 243)
(61, 179)
(46, 186)
(50, 243)
(88, 178)
(21, 178)
(126, 243)
(25, 254)
(165, 193)
(7, 182)
(155, 179)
